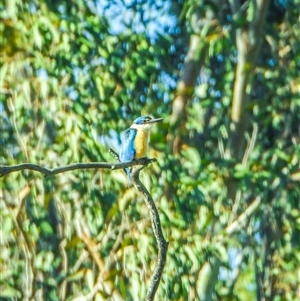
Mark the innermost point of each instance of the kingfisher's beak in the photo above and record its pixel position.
(155, 120)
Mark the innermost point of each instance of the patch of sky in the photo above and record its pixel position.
(235, 259)
(233, 57)
(167, 78)
(220, 58)
(203, 77)
(212, 81)
(151, 17)
(271, 62)
(42, 73)
(229, 17)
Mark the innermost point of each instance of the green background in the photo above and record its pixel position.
(224, 76)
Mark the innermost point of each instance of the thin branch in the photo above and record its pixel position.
(29, 254)
(248, 152)
(64, 268)
(5, 169)
(251, 145)
(241, 221)
(161, 242)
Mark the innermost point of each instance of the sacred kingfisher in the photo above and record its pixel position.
(135, 140)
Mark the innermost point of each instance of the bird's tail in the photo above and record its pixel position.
(127, 170)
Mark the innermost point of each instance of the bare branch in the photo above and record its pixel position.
(244, 217)
(5, 169)
(161, 242)
(29, 254)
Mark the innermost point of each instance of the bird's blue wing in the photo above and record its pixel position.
(127, 152)
(127, 145)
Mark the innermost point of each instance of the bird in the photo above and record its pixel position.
(134, 140)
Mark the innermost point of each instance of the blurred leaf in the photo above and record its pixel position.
(76, 276)
(241, 171)
(9, 292)
(90, 278)
(46, 228)
(193, 161)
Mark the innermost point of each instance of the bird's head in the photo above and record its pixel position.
(144, 122)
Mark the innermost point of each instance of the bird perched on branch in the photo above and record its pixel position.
(135, 140)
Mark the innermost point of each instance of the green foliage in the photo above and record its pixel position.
(69, 84)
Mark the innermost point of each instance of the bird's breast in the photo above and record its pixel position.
(141, 144)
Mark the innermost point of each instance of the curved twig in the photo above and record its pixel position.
(5, 169)
(161, 242)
